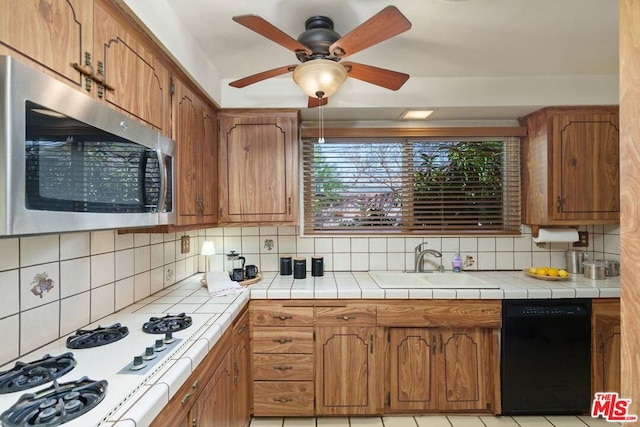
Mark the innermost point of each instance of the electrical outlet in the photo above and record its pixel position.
(185, 245)
(583, 240)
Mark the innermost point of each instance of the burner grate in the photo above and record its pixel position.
(97, 337)
(55, 405)
(169, 323)
(27, 375)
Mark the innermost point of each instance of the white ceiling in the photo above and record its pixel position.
(468, 59)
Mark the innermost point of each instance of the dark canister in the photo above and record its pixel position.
(317, 266)
(299, 268)
(251, 271)
(286, 266)
(237, 275)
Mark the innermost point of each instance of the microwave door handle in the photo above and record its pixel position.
(162, 198)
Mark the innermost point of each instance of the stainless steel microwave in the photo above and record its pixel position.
(71, 163)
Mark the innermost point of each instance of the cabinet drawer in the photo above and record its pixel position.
(349, 315)
(290, 398)
(284, 340)
(280, 315)
(283, 367)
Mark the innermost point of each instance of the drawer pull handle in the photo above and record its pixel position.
(345, 317)
(282, 368)
(282, 399)
(242, 328)
(283, 316)
(282, 340)
(187, 396)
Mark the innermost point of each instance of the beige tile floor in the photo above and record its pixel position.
(435, 421)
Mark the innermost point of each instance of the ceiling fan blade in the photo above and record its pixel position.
(316, 102)
(255, 78)
(378, 76)
(268, 30)
(387, 23)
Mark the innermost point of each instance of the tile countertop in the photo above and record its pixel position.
(360, 285)
(134, 400)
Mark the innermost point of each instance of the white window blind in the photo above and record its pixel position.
(428, 186)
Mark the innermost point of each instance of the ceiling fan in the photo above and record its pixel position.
(320, 49)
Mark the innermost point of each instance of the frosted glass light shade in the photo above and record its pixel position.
(319, 75)
(208, 248)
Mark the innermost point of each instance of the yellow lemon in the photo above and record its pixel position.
(542, 271)
(553, 272)
(533, 270)
(563, 273)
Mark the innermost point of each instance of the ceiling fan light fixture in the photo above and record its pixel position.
(319, 75)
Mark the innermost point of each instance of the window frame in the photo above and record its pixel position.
(410, 135)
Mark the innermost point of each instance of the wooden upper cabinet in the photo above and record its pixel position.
(195, 176)
(570, 166)
(258, 166)
(140, 81)
(51, 34)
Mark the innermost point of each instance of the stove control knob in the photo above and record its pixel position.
(160, 345)
(137, 364)
(168, 338)
(149, 353)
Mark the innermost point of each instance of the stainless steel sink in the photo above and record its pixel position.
(446, 280)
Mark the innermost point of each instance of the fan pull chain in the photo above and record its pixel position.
(320, 94)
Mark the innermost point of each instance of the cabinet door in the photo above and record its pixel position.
(214, 405)
(258, 169)
(412, 370)
(586, 166)
(187, 174)
(242, 395)
(209, 165)
(346, 377)
(53, 34)
(606, 345)
(141, 82)
(464, 367)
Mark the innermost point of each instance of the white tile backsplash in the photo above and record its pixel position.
(102, 269)
(95, 273)
(39, 249)
(75, 276)
(75, 312)
(10, 291)
(9, 254)
(39, 326)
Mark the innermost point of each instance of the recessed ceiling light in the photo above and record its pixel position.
(415, 114)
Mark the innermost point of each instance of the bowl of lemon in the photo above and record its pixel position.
(547, 273)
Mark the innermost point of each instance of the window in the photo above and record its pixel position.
(427, 185)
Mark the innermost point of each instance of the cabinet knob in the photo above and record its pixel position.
(283, 316)
(282, 399)
(345, 317)
(282, 340)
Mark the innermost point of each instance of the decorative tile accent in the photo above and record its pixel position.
(39, 285)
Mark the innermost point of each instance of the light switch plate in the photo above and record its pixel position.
(185, 245)
(583, 241)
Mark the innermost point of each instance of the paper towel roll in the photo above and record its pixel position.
(559, 234)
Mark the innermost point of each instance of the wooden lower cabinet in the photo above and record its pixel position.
(605, 345)
(347, 381)
(241, 365)
(282, 358)
(439, 369)
(205, 397)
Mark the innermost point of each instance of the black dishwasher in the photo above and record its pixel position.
(546, 356)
